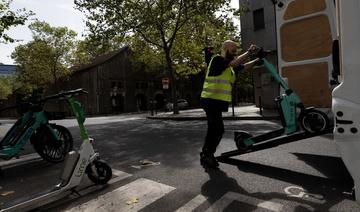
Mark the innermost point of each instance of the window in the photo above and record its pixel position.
(144, 85)
(113, 84)
(120, 85)
(259, 20)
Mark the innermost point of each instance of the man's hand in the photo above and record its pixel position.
(253, 49)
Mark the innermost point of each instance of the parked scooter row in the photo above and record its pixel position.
(77, 163)
(51, 141)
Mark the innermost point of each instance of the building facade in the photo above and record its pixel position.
(116, 85)
(258, 26)
(113, 83)
(7, 70)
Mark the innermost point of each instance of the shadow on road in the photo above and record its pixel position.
(328, 191)
(331, 167)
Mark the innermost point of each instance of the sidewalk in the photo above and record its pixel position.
(247, 112)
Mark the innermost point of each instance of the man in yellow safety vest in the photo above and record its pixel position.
(216, 94)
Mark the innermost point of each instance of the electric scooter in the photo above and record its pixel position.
(77, 163)
(51, 141)
(297, 121)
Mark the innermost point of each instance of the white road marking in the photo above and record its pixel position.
(229, 197)
(192, 204)
(144, 190)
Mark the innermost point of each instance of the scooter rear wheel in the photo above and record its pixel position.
(314, 121)
(53, 151)
(103, 172)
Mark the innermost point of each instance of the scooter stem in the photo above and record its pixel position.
(275, 74)
(80, 117)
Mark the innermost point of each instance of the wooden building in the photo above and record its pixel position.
(116, 85)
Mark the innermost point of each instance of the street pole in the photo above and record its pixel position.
(233, 99)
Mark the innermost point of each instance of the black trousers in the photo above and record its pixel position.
(215, 129)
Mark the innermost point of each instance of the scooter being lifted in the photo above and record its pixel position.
(298, 122)
(86, 160)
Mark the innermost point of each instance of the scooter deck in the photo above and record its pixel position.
(266, 144)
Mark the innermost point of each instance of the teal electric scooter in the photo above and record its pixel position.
(51, 141)
(297, 121)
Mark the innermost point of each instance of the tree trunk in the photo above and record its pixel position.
(172, 80)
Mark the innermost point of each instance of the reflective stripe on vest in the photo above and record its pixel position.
(217, 81)
(217, 90)
(218, 87)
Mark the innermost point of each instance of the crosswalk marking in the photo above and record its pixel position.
(192, 204)
(120, 175)
(144, 190)
(228, 198)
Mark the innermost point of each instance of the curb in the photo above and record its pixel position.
(192, 118)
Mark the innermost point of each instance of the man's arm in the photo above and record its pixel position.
(251, 63)
(240, 59)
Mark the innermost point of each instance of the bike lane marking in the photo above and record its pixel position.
(229, 197)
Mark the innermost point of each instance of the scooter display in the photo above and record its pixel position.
(51, 141)
(297, 121)
(77, 163)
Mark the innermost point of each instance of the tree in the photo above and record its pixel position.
(9, 18)
(203, 31)
(94, 45)
(45, 59)
(5, 87)
(157, 22)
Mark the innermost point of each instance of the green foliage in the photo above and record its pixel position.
(5, 87)
(9, 18)
(179, 30)
(203, 32)
(94, 45)
(145, 56)
(45, 59)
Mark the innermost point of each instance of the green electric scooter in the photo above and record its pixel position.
(51, 141)
(297, 121)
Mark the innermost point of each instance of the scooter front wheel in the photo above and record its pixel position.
(240, 140)
(99, 172)
(314, 121)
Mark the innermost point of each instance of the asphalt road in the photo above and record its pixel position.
(306, 175)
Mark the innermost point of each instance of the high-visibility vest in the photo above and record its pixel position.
(219, 87)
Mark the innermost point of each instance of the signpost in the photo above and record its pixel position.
(165, 82)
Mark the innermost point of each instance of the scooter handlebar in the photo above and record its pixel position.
(264, 53)
(65, 94)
